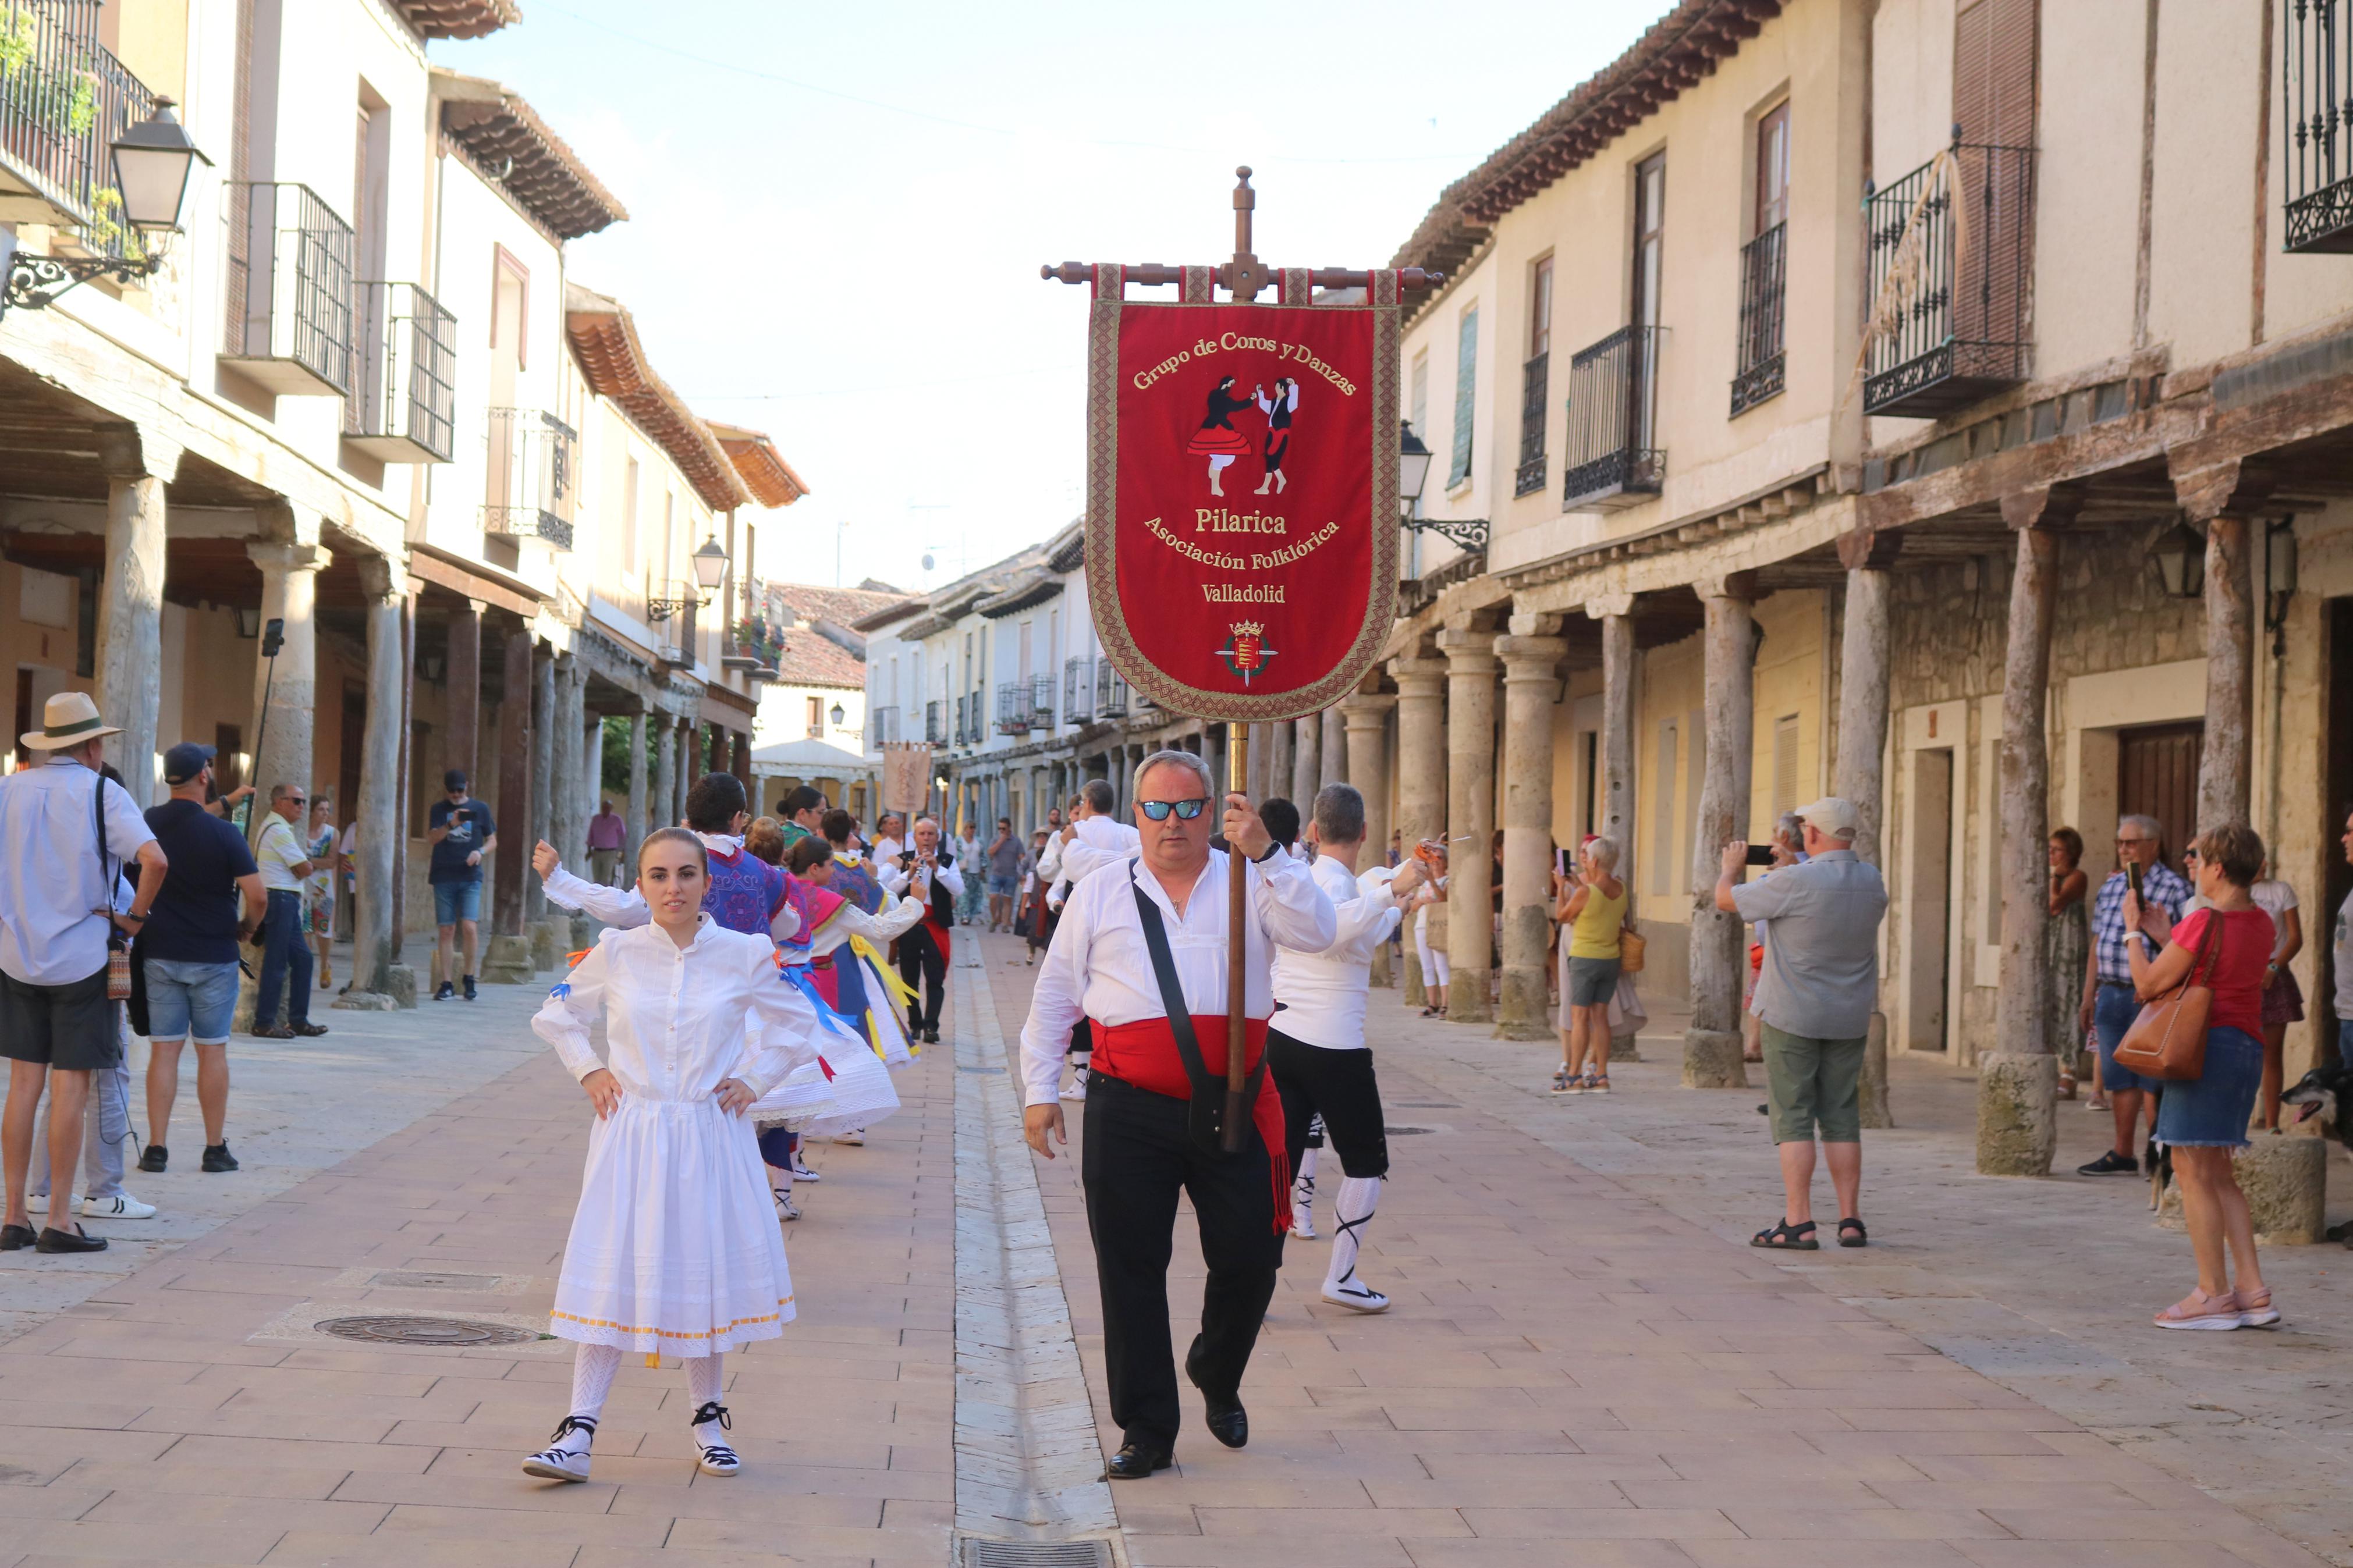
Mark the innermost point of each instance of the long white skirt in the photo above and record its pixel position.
(675, 1246)
(863, 1094)
(882, 1014)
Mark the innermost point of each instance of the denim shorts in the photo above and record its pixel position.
(190, 1001)
(1592, 982)
(2114, 1008)
(455, 901)
(2211, 1110)
(1003, 886)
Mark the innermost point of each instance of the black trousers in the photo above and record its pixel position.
(921, 960)
(1134, 1158)
(1339, 1086)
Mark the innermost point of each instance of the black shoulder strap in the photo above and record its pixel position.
(98, 814)
(1172, 992)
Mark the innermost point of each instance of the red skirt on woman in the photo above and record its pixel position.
(1212, 441)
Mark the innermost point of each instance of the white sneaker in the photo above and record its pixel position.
(1356, 1296)
(856, 1139)
(122, 1205)
(785, 1212)
(801, 1172)
(37, 1203)
(1076, 1092)
(1302, 1221)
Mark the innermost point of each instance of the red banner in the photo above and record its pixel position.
(1242, 528)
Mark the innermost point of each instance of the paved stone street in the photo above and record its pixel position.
(1584, 1362)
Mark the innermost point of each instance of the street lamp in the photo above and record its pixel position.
(709, 566)
(1413, 465)
(839, 714)
(152, 161)
(2180, 557)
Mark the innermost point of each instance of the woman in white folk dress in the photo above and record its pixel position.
(674, 1245)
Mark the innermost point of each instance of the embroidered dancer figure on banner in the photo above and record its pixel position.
(1217, 439)
(670, 1248)
(1279, 410)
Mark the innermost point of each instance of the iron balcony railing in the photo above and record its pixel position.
(976, 727)
(1536, 396)
(1077, 689)
(752, 647)
(1952, 256)
(532, 458)
(403, 407)
(882, 725)
(963, 721)
(289, 308)
(1111, 691)
(1042, 700)
(2317, 174)
(1764, 285)
(935, 724)
(1015, 711)
(64, 101)
(1614, 459)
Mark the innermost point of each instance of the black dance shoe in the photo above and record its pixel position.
(1136, 1460)
(1228, 1422)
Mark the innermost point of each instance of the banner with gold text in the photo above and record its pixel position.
(1243, 494)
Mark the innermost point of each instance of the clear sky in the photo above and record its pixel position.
(837, 212)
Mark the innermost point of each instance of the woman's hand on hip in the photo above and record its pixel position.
(734, 1095)
(604, 1092)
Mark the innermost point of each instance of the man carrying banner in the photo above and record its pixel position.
(1142, 954)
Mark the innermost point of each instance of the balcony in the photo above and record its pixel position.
(1952, 256)
(1614, 459)
(2317, 175)
(289, 309)
(1041, 702)
(1764, 284)
(882, 726)
(1111, 691)
(749, 648)
(532, 458)
(1536, 396)
(1078, 690)
(1015, 711)
(64, 99)
(935, 724)
(404, 405)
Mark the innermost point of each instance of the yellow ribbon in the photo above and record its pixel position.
(901, 992)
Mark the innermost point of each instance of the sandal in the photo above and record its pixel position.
(2255, 1309)
(1860, 1237)
(1787, 1237)
(2066, 1085)
(2199, 1310)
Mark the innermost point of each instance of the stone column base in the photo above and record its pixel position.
(508, 961)
(550, 941)
(2285, 1179)
(400, 985)
(1521, 1015)
(366, 1002)
(583, 932)
(1415, 997)
(1712, 1060)
(1876, 1115)
(2017, 1126)
(1625, 1047)
(1381, 974)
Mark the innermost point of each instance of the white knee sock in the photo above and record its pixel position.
(702, 1382)
(593, 1367)
(1306, 1172)
(1351, 1208)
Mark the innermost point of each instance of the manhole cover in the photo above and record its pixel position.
(411, 1280)
(1036, 1553)
(424, 1331)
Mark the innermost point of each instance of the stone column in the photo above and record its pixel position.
(462, 728)
(1307, 761)
(290, 582)
(542, 776)
(640, 797)
(376, 813)
(1531, 655)
(2018, 1084)
(1470, 820)
(1332, 767)
(2226, 759)
(1712, 1045)
(1282, 763)
(660, 814)
(1614, 812)
(1857, 775)
(400, 980)
(1421, 779)
(131, 602)
(507, 960)
(1365, 746)
(740, 761)
(686, 774)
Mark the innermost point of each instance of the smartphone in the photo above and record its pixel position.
(2132, 877)
(1760, 854)
(1560, 862)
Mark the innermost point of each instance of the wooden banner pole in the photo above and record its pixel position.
(1237, 943)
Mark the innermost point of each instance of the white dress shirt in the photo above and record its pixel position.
(1099, 841)
(1324, 993)
(626, 908)
(918, 886)
(1100, 967)
(675, 1018)
(51, 933)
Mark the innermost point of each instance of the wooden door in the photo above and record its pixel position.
(2320, 924)
(1928, 900)
(2157, 775)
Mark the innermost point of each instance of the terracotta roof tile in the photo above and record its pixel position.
(812, 660)
(615, 362)
(763, 471)
(513, 147)
(459, 18)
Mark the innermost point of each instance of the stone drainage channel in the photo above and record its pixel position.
(1029, 1486)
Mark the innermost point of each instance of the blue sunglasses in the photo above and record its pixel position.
(1185, 810)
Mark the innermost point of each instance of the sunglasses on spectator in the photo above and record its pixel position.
(1185, 810)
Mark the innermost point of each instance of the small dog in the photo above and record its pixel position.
(2328, 1089)
(2156, 1159)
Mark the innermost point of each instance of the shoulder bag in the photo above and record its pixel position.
(2167, 1040)
(118, 951)
(1205, 1111)
(1631, 945)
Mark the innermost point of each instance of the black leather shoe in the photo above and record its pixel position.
(15, 1238)
(218, 1158)
(1228, 1422)
(74, 1240)
(156, 1159)
(1134, 1461)
(931, 1036)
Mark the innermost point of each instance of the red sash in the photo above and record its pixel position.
(1144, 1054)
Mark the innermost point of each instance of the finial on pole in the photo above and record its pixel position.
(1246, 275)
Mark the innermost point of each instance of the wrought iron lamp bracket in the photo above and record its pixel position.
(35, 282)
(1465, 533)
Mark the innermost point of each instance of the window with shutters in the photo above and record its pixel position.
(1534, 380)
(1663, 811)
(1764, 267)
(1466, 387)
(1952, 243)
(1614, 459)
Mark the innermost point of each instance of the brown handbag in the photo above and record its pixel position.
(2167, 1040)
(1630, 947)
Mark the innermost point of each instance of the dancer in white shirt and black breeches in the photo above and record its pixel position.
(1316, 1044)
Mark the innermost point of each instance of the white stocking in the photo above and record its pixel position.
(593, 1367)
(702, 1384)
(1351, 1208)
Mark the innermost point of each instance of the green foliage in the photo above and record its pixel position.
(615, 776)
